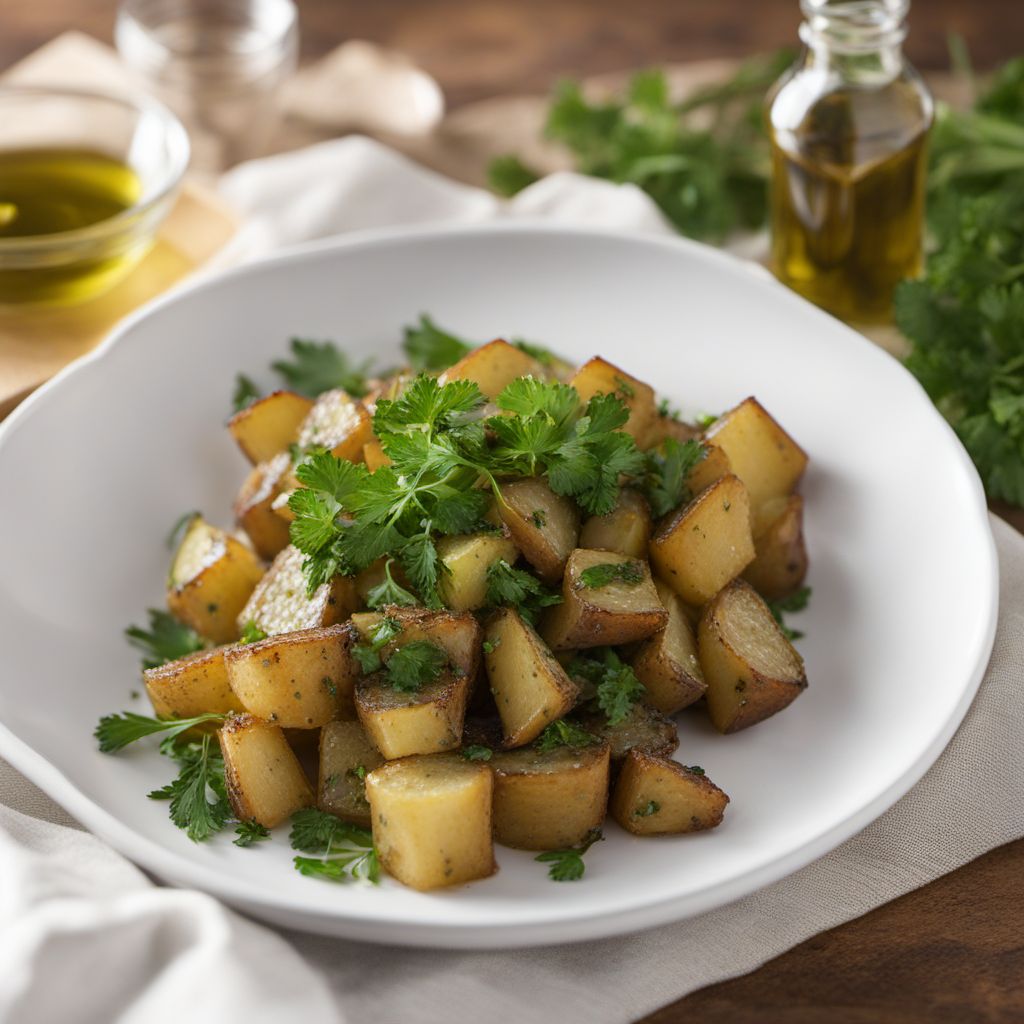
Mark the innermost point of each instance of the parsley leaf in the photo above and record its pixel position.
(414, 665)
(251, 633)
(597, 576)
(114, 732)
(198, 796)
(388, 592)
(316, 367)
(246, 392)
(646, 810)
(368, 655)
(249, 832)
(178, 530)
(564, 734)
(567, 865)
(517, 589)
(430, 348)
(616, 685)
(508, 175)
(166, 640)
(664, 480)
(343, 852)
(796, 602)
(476, 752)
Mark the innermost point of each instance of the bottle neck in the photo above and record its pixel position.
(860, 40)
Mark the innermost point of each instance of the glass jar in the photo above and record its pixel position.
(848, 126)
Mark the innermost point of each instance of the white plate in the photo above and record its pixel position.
(98, 465)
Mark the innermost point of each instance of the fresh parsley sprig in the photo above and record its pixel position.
(115, 732)
(249, 832)
(414, 665)
(567, 865)
(334, 849)
(616, 686)
(389, 592)
(606, 573)
(368, 655)
(796, 602)
(667, 467)
(198, 796)
(165, 640)
(516, 588)
(564, 733)
(477, 752)
(246, 392)
(319, 366)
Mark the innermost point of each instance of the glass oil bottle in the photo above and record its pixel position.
(848, 126)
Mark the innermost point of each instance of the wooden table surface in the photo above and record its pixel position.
(952, 951)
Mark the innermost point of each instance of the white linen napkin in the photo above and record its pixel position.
(85, 937)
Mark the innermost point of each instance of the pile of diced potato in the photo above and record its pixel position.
(695, 629)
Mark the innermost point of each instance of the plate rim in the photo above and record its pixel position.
(180, 870)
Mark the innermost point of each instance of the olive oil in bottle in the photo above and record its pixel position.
(848, 126)
(45, 193)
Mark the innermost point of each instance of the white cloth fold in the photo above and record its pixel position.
(85, 937)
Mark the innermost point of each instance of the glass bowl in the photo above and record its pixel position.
(67, 266)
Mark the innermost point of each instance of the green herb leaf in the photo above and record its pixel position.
(567, 865)
(616, 686)
(414, 665)
(430, 348)
(475, 752)
(249, 832)
(246, 392)
(343, 852)
(316, 367)
(694, 769)
(796, 602)
(646, 810)
(251, 633)
(368, 655)
(198, 796)
(178, 530)
(564, 734)
(598, 576)
(516, 588)
(664, 480)
(388, 592)
(166, 640)
(114, 732)
(508, 175)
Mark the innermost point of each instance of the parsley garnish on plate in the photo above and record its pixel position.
(431, 348)
(796, 602)
(115, 732)
(319, 366)
(333, 849)
(166, 640)
(616, 686)
(414, 665)
(564, 734)
(251, 633)
(664, 480)
(368, 655)
(606, 573)
(516, 588)
(246, 392)
(198, 796)
(249, 832)
(476, 752)
(567, 865)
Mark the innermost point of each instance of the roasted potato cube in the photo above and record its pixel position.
(432, 820)
(760, 452)
(667, 663)
(780, 565)
(373, 455)
(657, 797)
(626, 529)
(340, 423)
(711, 468)
(642, 729)
(346, 757)
(752, 671)
(266, 428)
(297, 680)
(543, 525)
(599, 377)
(549, 800)
(459, 635)
(706, 543)
(597, 612)
(493, 367)
(265, 781)
(194, 685)
(426, 721)
(280, 604)
(467, 559)
(212, 577)
(254, 511)
(530, 688)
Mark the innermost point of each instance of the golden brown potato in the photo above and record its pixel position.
(265, 781)
(337, 422)
(751, 669)
(266, 428)
(707, 543)
(459, 635)
(760, 452)
(626, 529)
(597, 612)
(280, 603)
(530, 688)
(493, 367)
(599, 377)
(665, 427)
(346, 757)
(467, 558)
(298, 680)
(543, 525)
(711, 468)
(432, 820)
(549, 800)
(657, 797)
(212, 576)
(667, 663)
(426, 721)
(780, 565)
(642, 729)
(193, 685)
(373, 455)
(254, 510)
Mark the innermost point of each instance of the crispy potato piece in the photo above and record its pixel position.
(617, 613)
(493, 367)
(709, 470)
(460, 635)
(551, 800)
(626, 529)
(543, 525)
(373, 455)
(432, 820)
(340, 423)
(254, 510)
(667, 663)
(467, 559)
(265, 781)
(427, 721)
(642, 729)
(298, 680)
(599, 377)
(780, 565)
(212, 577)
(760, 452)
(706, 543)
(751, 669)
(190, 686)
(266, 428)
(530, 688)
(346, 757)
(657, 797)
(280, 603)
